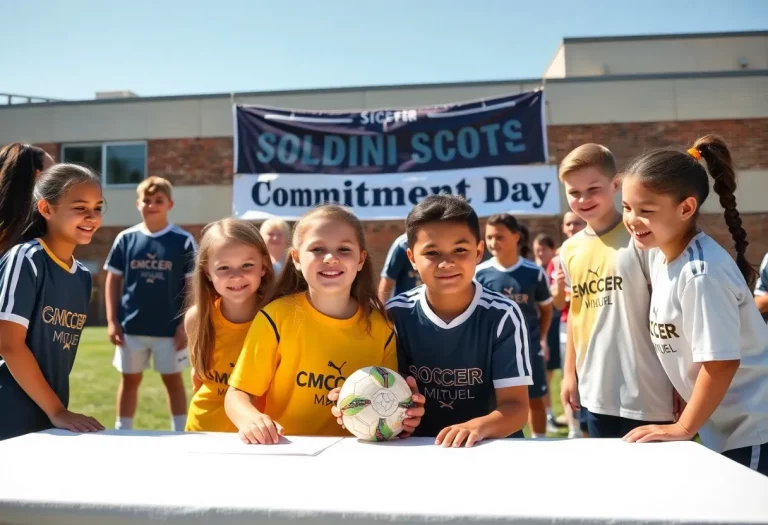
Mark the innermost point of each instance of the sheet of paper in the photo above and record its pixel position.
(288, 446)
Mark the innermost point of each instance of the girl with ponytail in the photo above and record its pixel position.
(20, 166)
(707, 331)
(324, 322)
(45, 296)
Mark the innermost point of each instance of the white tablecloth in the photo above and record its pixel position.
(139, 477)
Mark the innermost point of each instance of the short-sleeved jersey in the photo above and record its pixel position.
(619, 373)
(459, 365)
(525, 283)
(206, 409)
(50, 299)
(702, 310)
(154, 268)
(398, 268)
(761, 286)
(294, 355)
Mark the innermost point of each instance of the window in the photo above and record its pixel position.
(120, 164)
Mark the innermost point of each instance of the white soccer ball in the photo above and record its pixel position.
(373, 401)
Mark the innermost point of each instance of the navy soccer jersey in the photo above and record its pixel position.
(525, 283)
(459, 365)
(50, 299)
(398, 268)
(154, 268)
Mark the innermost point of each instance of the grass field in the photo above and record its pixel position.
(94, 385)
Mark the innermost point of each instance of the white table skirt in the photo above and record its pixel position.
(113, 477)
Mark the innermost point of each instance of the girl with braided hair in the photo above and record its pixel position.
(705, 327)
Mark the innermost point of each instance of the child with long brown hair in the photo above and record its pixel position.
(233, 277)
(704, 324)
(324, 323)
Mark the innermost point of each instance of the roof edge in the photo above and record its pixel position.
(281, 92)
(662, 36)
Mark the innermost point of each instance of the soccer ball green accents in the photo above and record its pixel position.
(373, 401)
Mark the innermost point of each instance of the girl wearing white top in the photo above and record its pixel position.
(707, 331)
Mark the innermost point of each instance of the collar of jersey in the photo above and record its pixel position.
(143, 229)
(458, 320)
(496, 264)
(57, 260)
(303, 298)
(219, 317)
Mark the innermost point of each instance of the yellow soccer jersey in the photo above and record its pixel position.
(617, 367)
(206, 410)
(294, 355)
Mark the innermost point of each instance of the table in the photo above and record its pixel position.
(141, 477)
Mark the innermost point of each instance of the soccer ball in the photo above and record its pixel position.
(373, 401)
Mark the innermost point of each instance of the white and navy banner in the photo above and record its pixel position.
(381, 163)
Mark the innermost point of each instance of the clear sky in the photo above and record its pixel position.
(70, 49)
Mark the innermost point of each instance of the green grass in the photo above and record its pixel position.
(94, 382)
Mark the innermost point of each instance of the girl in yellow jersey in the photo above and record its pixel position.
(324, 323)
(233, 275)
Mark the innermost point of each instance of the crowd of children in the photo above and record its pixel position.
(657, 328)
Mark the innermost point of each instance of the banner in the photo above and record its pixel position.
(497, 132)
(523, 190)
(381, 163)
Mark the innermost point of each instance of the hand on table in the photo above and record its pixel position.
(648, 433)
(261, 430)
(76, 422)
(456, 435)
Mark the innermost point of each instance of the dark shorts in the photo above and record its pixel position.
(755, 457)
(553, 341)
(603, 426)
(539, 373)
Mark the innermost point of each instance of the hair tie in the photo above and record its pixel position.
(693, 152)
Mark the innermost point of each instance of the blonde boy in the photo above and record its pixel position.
(148, 267)
(620, 380)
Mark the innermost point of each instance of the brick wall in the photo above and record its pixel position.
(191, 161)
(746, 138)
(53, 149)
(209, 161)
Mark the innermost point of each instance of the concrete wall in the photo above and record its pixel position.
(586, 101)
(623, 56)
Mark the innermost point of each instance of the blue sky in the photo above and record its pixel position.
(70, 49)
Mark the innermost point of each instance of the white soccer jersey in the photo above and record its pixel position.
(702, 310)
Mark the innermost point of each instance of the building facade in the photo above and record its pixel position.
(628, 93)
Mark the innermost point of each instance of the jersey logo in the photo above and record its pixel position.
(443, 404)
(151, 268)
(596, 273)
(509, 291)
(337, 368)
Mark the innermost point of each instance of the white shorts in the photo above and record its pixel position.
(133, 356)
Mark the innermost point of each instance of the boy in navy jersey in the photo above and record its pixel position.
(524, 282)
(148, 268)
(465, 345)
